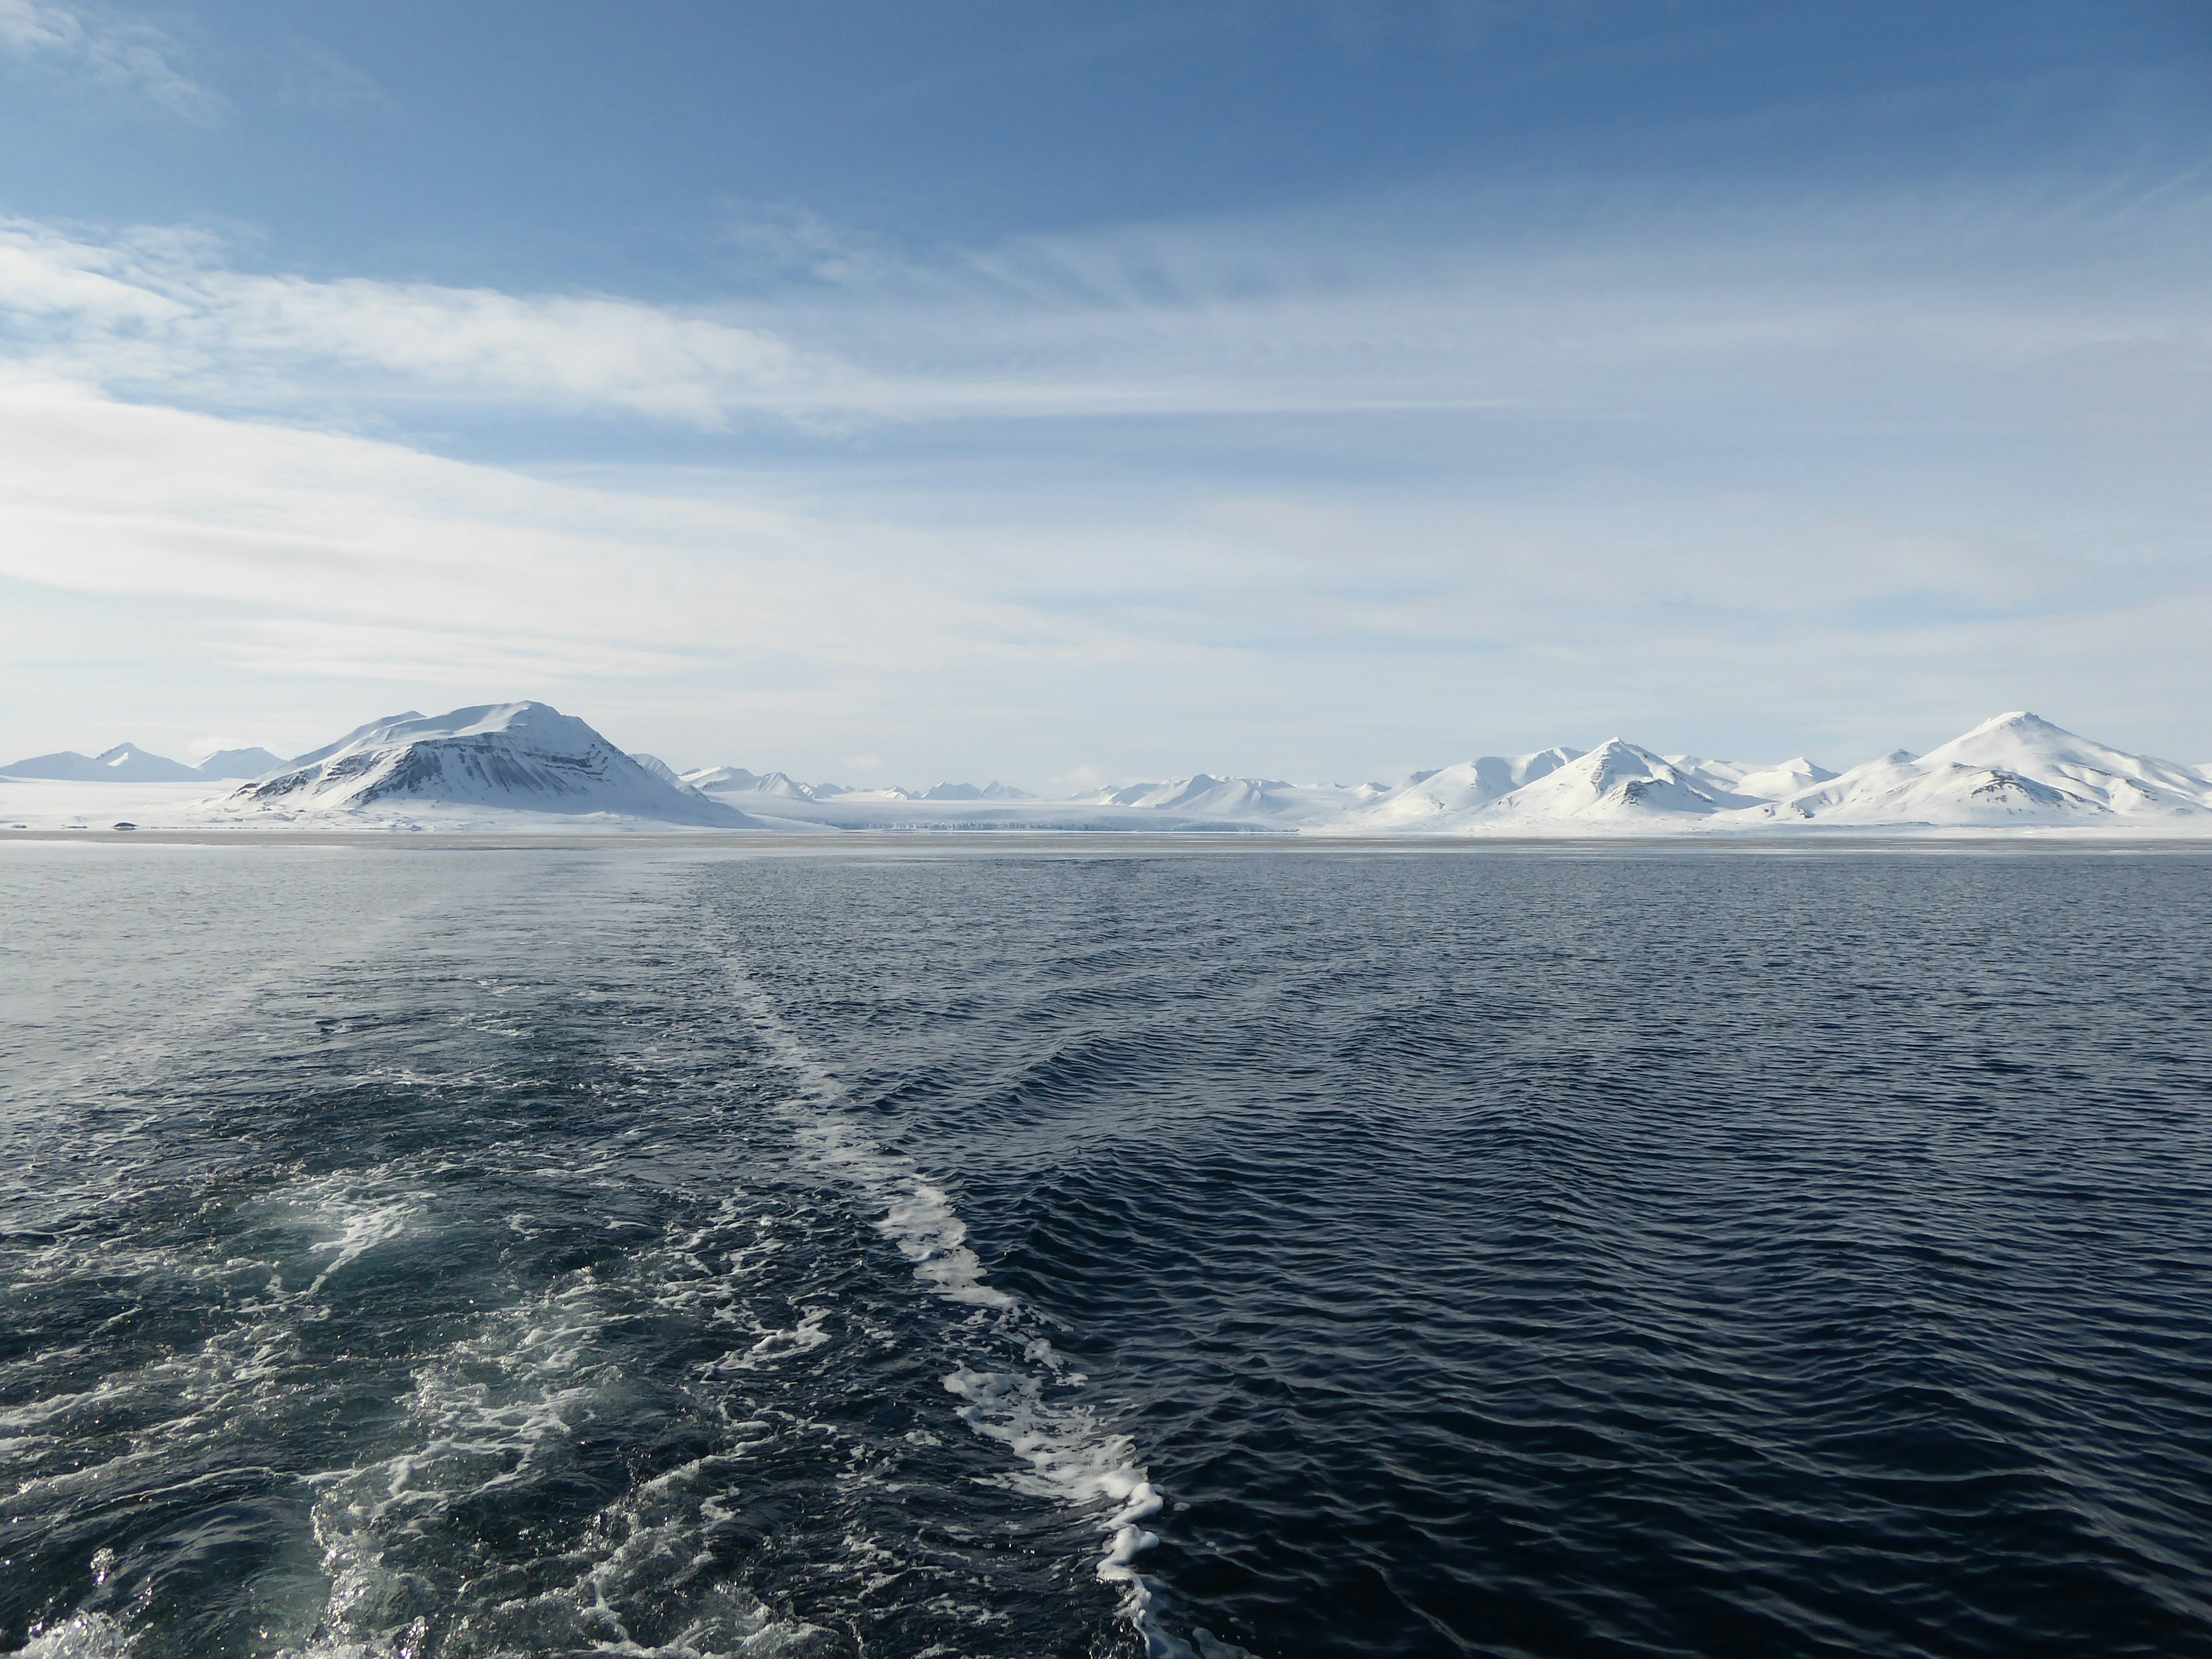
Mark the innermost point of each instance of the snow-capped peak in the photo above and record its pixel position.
(239, 763)
(661, 770)
(1617, 779)
(2014, 767)
(736, 781)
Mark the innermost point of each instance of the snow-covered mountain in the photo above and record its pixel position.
(781, 785)
(661, 770)
(1615, 783)
(1201, 791)
(1616, 786)
(485, 765)
(1758, 782)
(1439, 802)
(500, 757)
(992, 791)
(1266, 802)
(124, 763)
(239, 763)
(2014, 769)
(736, 781)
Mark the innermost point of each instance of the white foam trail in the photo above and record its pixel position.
(1071, 1457)
(486, 1414)
(237, 1368)
(80, 1636)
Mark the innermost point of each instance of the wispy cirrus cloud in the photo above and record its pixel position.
(107, 51)
(309, 76)
(317, 647)
(160, 310)
(1706, 320)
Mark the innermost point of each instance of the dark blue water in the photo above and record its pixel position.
(435, 1252)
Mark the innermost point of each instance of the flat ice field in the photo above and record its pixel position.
(526, 768)
(64, 803)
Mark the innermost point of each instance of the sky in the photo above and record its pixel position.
(1065, 394)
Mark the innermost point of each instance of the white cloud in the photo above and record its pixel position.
(356, 551)
(42, 275)
(1298, 632)
(97, 48)
(781, 242)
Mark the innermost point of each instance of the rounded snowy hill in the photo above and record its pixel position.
(451, 769)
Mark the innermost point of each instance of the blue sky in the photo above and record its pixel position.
(887, 393)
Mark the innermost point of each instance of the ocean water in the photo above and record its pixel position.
(437, 1251)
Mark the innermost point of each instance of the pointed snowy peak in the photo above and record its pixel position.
(661, 770)
(2015, 769)
(1203, 793)
(1122, 794)
(2022, 724)
(1617, 761)
(720, 777)
(128, 764)
(992, 791)
(2029, 743)
(1615, 782)
(736, 781)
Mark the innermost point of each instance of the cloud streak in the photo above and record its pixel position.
(159, 311)
(97, 49)
(1925, 313)
(1295, 630)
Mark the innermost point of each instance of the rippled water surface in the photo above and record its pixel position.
(442, 1252)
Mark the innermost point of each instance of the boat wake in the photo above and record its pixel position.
(1014, 1386)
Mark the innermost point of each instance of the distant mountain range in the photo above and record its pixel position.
(736, 781)
(128, 764)
(510, 764)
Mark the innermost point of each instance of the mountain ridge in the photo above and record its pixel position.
(126, 763)
(522, 762)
